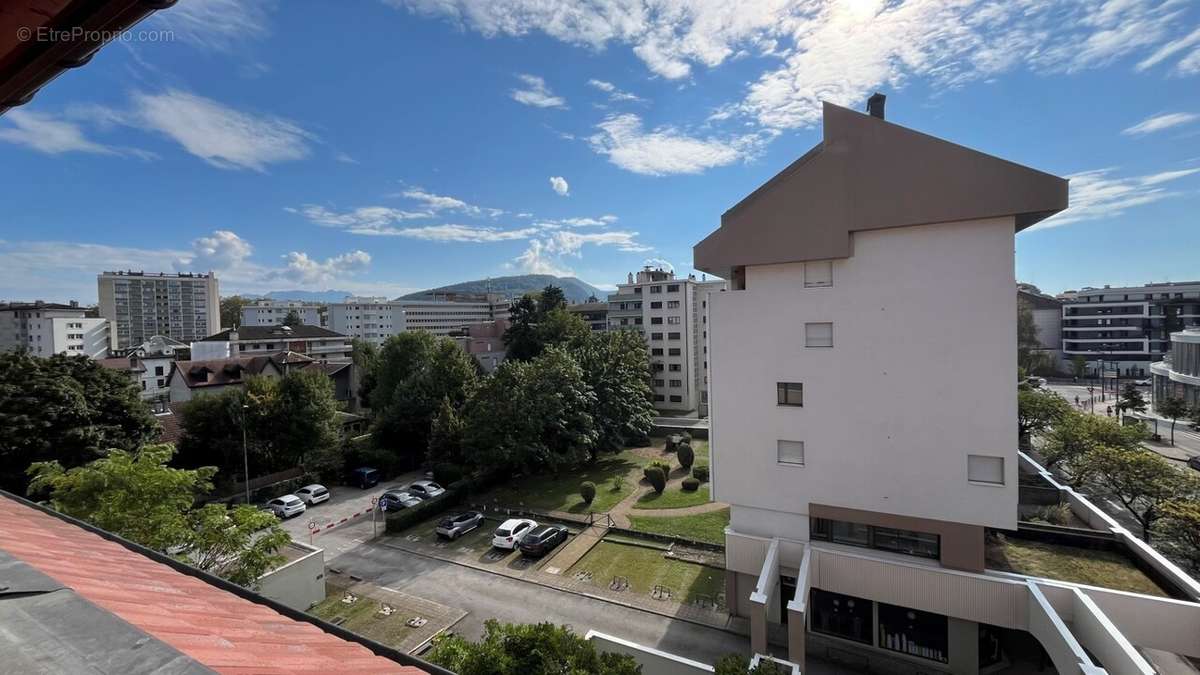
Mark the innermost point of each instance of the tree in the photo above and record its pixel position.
(1079, 366)
(1181, 529)
(1037, 411)
(1029, 355)
(64, 408)
(686, 456)
(539, 321)
(1131, 399)
(306, 413)
(616, 366)
(528, 649)
(211, 433)
(1141, 480)
(138, 496)
(446, 434)
(1076, 435)
(292, 319)
(231, 310)
(365, 356)
(657, 478)
(1172, 408)
(736, 664)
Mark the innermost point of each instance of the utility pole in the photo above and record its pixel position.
(245, 454)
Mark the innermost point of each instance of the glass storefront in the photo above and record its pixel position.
(913, 632)
(841, 616)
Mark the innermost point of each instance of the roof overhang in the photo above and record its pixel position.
(39, 39)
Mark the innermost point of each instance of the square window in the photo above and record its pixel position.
(790, 452)
(656, 336)
(985, 469)
(656, 320)
(675, 351)
(790, 393)
(818, 274)
(676, 399)
(656, 305)
(657, 351)
(673, 288)
(673, 320)
(818, 335)
(672, 336)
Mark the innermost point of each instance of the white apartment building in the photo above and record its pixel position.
(140, 305)
(862, 470)
(315, 342)
(1178, 374)
(375, 319)
(44, 329)
(267, 312)
(670, 313)
(152, 362)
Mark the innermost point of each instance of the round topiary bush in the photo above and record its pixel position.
(685, 437)
(657, 464)
(672, 442)
(686, 455)
(658, 479)
(700, 472)
(690, 484)
(587, 490)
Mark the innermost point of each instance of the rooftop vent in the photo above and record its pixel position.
(875, 105)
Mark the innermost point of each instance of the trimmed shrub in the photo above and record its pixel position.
(685, 437)
(446, 473)
(700, 472)
(686, 455)
(672, 443)
(587, 490)
(690, 484)
(657, 478)
(657, 464)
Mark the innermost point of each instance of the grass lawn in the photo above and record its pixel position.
(1067, 563)
(645, 568)
(672, 498)
(363, 617)
(709, 527)
(561, 492)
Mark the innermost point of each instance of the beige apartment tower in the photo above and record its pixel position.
(139, 305)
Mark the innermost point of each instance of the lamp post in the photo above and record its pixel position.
(245, 454)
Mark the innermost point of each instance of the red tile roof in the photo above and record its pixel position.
(217, 628)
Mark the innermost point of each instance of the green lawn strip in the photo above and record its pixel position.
(362, 617)
(561, 492)
(1066, 563)
(645, 568)
(708, 527)
(672, 498)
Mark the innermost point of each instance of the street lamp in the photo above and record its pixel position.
(245, 454)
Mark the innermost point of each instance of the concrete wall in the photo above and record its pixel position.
(901, 339)
(652, 661)
(299, 583)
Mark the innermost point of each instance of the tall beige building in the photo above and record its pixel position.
(185, 307)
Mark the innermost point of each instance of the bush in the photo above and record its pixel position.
(1057, 514)
(700, 472)
(657, 478)
(685, 437)
(617, 483)
(686, 455)
(665, 467)
(672, 443)
(587, 490)
(446, 473)
(690, 484)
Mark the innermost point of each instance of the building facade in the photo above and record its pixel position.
(152, 361)
(1047, 318)
(45, 329)
(377, 319)
(319, 343)
(273, 312)
(1178, 375)
(139, 305)
(1122, 330)
(594, 314)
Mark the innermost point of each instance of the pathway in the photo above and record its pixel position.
(568, 555)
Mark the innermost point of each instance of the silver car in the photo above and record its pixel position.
(395, 500)
(425, 489)
(455, 526)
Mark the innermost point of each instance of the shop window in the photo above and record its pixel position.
(913, 632)
(840, 615)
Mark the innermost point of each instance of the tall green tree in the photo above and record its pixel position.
(1038, 410)
(528, 649)
(231, 310)
(1069, 442)
(616, 366)
(1143, 481)
(539, 321)
(308, 433)
(1029, 355)
(446, 435)
(1180, 528)
(1173, 408)
(64, 408)
(1079, 366)
(239, 543)
(1131, 400)
(365, 356)
(292, 319)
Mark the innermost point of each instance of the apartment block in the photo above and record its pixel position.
(268, 312)
(594, 314)
(376, 319)
(45, 328)
(1177, 375)
(140, 305)
(315, 342)
(670, 313)
(1122, 330)
(867, 480)
(1047, 318)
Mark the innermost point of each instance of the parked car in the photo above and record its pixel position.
(364, 477)
(541, 540)
(286, 506)
(1194, 462)
(459, 524)
(313, 494)
(511, 532)
(394, 500)
(425, 489)
(1142, 383)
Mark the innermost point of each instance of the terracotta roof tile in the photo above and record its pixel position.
(223, 631)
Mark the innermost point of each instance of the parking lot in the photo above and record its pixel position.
(473, 548)
(344, 521)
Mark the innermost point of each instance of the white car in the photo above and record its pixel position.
(313, 494)
(286, 506)
(511, 532)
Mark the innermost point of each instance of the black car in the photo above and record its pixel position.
(542, 540)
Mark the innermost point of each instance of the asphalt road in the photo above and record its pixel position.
(1187, 442)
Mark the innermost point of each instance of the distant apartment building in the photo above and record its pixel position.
(273, 312)
(670, 313)
(47, 328)
(149, 365)
(594, 314)
(1122, 330)
(484, 342)
(376, 319)
(1178, 374)
(140, 305)
(318, 343)
(1047, 318)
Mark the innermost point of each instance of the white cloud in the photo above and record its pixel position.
(434, 202)
(666, 150)
(1100, 194)
(302, 269)
(615, 94)
(536, 93)
(344, 158)
(1170, 49)
(222, 250)
(535, 260)
(448, 232)
(1160, 122)
(220, 135)
(215, 24)
(362, 217)
(545, 255)
(559, 185)
(658, 263)
(54, 135)
(602, 221)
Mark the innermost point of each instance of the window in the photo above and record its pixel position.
(790, 452)
(673, 320)
(656, 336)
(158, 370)
(818, 335)
(675, 367)
(659, 398)
(842, 615)
(656, 320)
(672, 288)
(657, 351)
(818, 274)
(637, 321)
(637, 291)
(660, 383)
(656, 367)
(985, 469)
(675, 351)
(672, 336)
(918, 544)
(914, 632)
(672, 304)
(656, 289)
(657, 304)
(789, 393)
(676, 399)
(676, 383)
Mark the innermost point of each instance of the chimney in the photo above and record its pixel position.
(875, 105)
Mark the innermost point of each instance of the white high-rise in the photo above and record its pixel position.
(375, 319)
(185, 307)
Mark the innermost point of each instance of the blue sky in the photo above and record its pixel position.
(386, 146)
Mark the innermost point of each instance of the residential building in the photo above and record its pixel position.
(47, 328)
(149, 365)
(594, 314)
(184, 307)
(484, 342)
(670, 313)
(863, 475)
(1047, 318)
(1120, 331)
(375, 319)
(196, 377)
(267, 312)
(319, 343)
(1178, 375)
